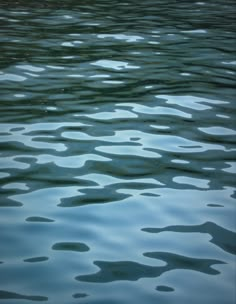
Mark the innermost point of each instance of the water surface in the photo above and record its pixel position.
(117, 158)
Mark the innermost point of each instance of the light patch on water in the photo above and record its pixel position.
(75, 75)
(46, 197)
(31, 74)
(12, 77)
(113, 64)
(20, 13)
(67, 17)
(195, 32)
(11, 163)
(30, 68)
(217, 131)
(185, 74)
(19, 95)
(20, 186)
(231, 168)
(70, 161)
(91, 24)
(160, 127)
(153, 42)
(68, 57)
(69, 44)
(229, 62)
(100, 76)
(51, 108)
(128, 38)
(209, 168)
(112, 115)
(197, 182)
(55, 67)
(128, 150)
(46, 126)
(113, 81)
(4, 174)
(105, 180)
(191, 102)
(180, 161)
(139, 108)
(222, 116)
(36, 142)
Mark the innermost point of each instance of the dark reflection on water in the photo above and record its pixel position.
(115, 271)
(164, 288)
(80, 247)
(125, 112)
(221, 237)
(37, 259)
(38, 219)
(6, 295)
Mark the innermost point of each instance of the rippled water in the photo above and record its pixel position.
(117, 152)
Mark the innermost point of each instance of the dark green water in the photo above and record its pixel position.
(117, 157)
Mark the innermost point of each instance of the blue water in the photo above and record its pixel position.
(117, 152)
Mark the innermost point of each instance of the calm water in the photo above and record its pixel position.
(117, 152)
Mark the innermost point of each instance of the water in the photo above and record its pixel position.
(117, 152)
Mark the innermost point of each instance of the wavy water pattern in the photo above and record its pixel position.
(117, 152)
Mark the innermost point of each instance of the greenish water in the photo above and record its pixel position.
(117, 152)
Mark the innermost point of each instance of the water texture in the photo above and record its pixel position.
(117, 152)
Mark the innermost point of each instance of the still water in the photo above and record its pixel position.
(117, 157)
